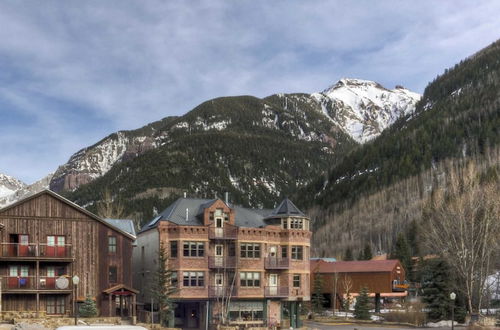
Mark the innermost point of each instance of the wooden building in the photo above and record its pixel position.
(382, 278)
(256, 260)
(45, 240)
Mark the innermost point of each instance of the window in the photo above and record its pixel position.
(113, 274)
(173, 249)
(173, 279)
(250, 250)
(194, 249)
(296, 224)
(55, 304)
(231, 249)
(297, 252)
(296, 280)
(212, 216)
(285, 223)
(284, 251)
(194, 279)
(226, 217)
(112, 244)
(55, 271)
(250, 279)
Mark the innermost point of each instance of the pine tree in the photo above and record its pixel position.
(402, 252)
(88, 308)
(362, 306)
(436, 287)
(163, 287)
(348, 255)
(367, 252)
(317, 299)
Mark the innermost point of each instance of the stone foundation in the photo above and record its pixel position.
(54, 322)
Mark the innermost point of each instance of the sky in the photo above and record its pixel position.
(73, 72)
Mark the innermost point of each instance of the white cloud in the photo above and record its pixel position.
(121, 64)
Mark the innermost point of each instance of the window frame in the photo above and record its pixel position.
(110, 274)
(250, 250)
(174, 249)
(250, 279)
(297, 252)
(296, 278)
(112, 244)
(193, 249)
(193, 279)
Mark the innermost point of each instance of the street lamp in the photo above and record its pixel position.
(452, 297)
(75, 280)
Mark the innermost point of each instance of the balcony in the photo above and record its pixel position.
(227, 232)
(222, 262)
(276, 291)
(222, 291)
(34, 251)
(276, 263)
(30, 283)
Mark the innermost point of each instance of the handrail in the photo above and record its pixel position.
(35, 250)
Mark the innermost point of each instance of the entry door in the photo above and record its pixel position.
(219, 255)
(273, 284)
(219, 284)
(219, 227)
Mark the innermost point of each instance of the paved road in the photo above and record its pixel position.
(347, 326)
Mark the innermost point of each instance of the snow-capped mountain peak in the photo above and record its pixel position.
(364, 108)
(9, 185)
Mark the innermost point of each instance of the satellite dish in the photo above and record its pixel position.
(62, 283)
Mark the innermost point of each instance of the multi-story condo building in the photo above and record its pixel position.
(244, 266)
(45, 240)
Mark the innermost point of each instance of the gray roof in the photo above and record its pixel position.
(125, 225)
(285, 209)
(189, 211)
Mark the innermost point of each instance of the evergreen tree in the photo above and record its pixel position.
(367, 252)
(362, 306)
(163, 287)
(88, 308)
(401, 251)
(317, 299)
(436, 287)
(348, 255)
(413, 238)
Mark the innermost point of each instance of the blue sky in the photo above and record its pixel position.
(72, 72)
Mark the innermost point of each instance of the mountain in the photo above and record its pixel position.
(380, 188)
(257, 149)
(362, 109)
(9, 185)
(24, 190)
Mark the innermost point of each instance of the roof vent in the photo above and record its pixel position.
(185, 194)
(226, 197)
(187, 214)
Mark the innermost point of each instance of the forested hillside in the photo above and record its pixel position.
(380, 187)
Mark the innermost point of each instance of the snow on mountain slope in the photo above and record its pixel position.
(9, 185)
(25, 191)
(95, 161)
(363, 108)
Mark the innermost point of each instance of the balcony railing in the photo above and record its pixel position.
(34, 250)
(222, 262)
(222, 291)
(400, 286)
(276, 263)
(276, 291)
(16, 283)
(227, 232)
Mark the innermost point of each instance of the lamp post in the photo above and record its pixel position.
(75, 280)
(452, 297)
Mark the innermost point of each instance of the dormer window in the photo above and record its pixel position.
(226, 217)
(218, 212)
(211, 216)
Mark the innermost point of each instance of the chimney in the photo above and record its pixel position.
(185, 194)
(187, 214)
(226, 197)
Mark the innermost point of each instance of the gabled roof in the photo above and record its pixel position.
(365, 266)
(119, 287)
(176, 213)
(70, 203)
(286, 209)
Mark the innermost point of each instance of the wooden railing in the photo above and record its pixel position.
(221, 262)
(34, 250)
(227, 232)
(222, 291)
(16, 283)
(276, 263)
(276, 291)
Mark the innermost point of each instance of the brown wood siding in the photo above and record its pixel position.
(46, 215)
